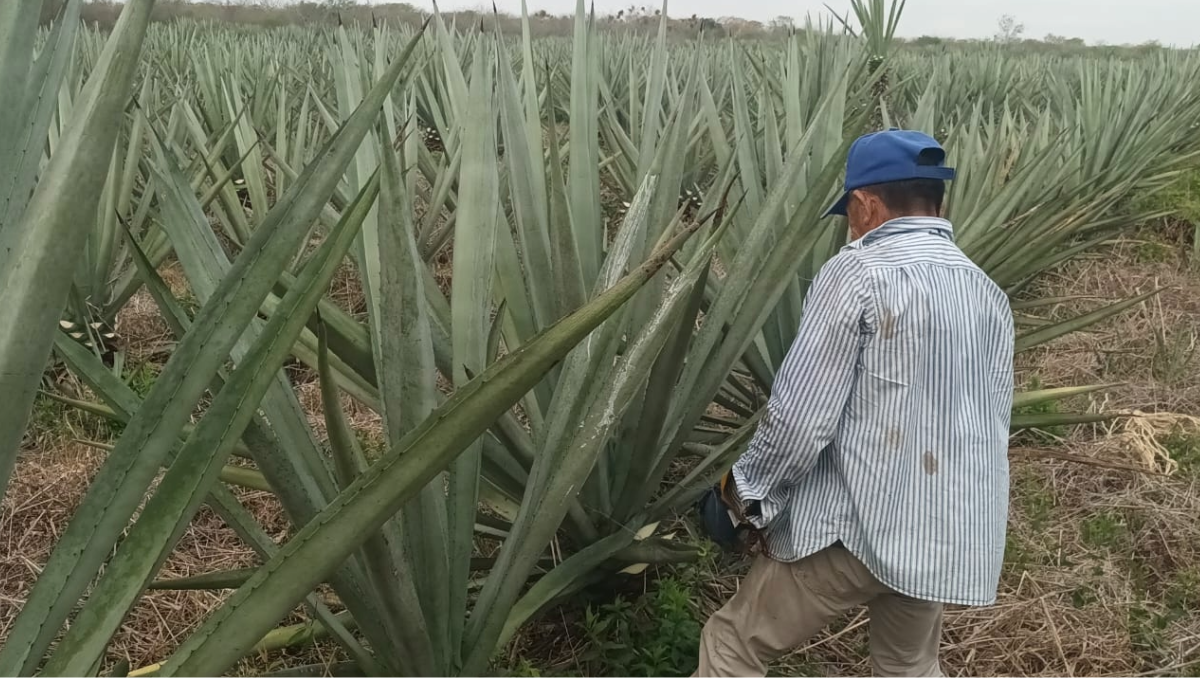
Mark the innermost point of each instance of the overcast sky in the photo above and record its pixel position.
(1171, 22)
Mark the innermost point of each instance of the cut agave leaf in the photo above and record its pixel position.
(212, 581)
(1035, 397)
(1029, 421)
(1047, 333)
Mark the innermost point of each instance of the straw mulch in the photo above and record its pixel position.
(1103, 568)
(1102, 572)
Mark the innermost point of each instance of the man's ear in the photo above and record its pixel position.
(859, 196)
(869, 205)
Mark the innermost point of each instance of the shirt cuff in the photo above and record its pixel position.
(747, 494)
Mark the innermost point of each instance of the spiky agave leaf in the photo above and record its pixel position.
(154, 429)
(377, 494)
(41, 240)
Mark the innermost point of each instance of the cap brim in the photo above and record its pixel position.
(839, 208)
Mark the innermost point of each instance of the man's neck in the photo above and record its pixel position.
(855, 236)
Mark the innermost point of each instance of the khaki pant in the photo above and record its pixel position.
(779, 606)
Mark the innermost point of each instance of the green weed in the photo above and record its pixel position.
(1149, 628)
(1174, 354)
(797, 669)
(1185, 450)
(1183, 593)
(48, 415)
(657, 635)
(523, 668)
(54, 417)
(1153, 251)
(1182, 199)
(1083, 596)
(190, 303)
(1047, 434)
(57, 420)
(1105, 531)
(1037, 500)
(1148, 635)
(1028, 542)
(1017, 552)
(141, 378)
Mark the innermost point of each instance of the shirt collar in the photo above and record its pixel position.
(904, 225)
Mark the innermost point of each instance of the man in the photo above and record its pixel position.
(879, 474)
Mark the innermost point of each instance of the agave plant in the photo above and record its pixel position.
(231, 293)
(41, 235)
(602, 348)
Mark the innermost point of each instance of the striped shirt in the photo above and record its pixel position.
(887, 427)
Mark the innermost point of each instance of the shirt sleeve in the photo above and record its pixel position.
(811, 389)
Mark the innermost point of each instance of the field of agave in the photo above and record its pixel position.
(581, 262)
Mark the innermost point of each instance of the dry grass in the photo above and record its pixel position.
(1152, 348)
(1102, 573)
(347, 292)
(53, 474)
(1103, 569)
(143, 334)
(47, 486)
(1099, 575)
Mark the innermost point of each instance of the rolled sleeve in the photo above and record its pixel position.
(811, 389)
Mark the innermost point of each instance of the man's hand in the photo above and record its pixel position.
(723, 518)
(729, 496)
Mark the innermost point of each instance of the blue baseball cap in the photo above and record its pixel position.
(891, 156)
